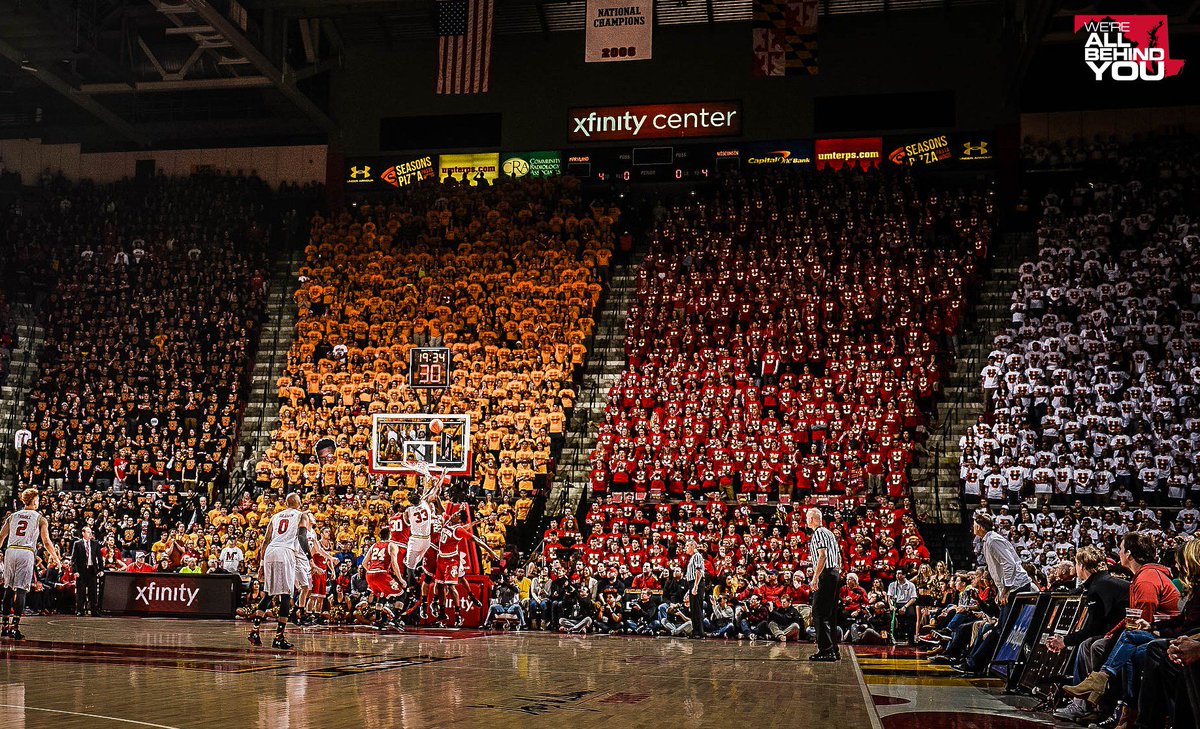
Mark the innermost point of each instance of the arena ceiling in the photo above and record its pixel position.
(189, 72)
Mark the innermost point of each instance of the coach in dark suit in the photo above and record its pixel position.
(87, 563)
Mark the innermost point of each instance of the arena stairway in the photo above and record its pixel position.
(279, 328)
(14, 393)
(936, 487)
(605, 363)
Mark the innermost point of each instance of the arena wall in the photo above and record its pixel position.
(273, 164)
(536, 78)
(1062, 125)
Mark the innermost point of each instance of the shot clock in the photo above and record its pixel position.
(429, 368)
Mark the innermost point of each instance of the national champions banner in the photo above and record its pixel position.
(618, 30)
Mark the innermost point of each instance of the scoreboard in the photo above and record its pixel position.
(429, 368)
(643, 164)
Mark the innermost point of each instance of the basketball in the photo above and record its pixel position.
(435, 426)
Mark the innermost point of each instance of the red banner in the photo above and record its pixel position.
(655, 121)
(836, 153)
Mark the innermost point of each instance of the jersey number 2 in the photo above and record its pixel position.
(22, 527)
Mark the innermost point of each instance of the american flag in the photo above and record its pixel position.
(464, 29)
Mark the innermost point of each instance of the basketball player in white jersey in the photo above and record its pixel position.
(423, 521)
(20, 537)
(304, 567)
(286, 536)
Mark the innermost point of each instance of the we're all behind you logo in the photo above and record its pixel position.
(1128, 47)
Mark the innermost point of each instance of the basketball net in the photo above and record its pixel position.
(432, 476)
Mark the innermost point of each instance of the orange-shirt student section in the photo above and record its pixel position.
(508, 277)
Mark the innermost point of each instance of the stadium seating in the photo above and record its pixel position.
(1045, 537)
(749, 542)
(1090, 390)
(508, 277)
(155, 299)
(788, 336)
(8, 337)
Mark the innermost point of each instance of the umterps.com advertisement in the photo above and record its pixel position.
(864, 152)
(471, 168)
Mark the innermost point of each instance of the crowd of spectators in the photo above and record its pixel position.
(134, 411)
(789, 335)
(1045, 537)
(155, 300)
(508, 277)
(1090, 393)
(1127, 655)
(1152, 154)
(786, 341)
(622, 571)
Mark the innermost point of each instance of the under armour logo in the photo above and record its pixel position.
(975, 150)
(360, 173)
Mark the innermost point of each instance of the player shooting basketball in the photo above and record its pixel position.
(421, 519)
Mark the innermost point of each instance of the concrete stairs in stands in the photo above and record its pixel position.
(14, 394)
(605, 364)
(279, 329)
(936, 487)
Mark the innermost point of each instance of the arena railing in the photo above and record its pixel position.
(977, 344)
(972, 339)
(578, 432)
(268, 397)
(10, 460)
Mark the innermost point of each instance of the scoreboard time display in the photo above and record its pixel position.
(642, 164)
(429, 368)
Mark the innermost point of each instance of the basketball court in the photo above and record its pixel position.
(129, 672)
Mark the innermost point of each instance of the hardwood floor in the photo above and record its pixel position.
(127, 672)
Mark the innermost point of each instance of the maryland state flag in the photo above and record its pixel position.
(785, 38)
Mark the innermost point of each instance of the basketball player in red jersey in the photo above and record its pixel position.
(385, 578)
(322, 562)
(451, 570)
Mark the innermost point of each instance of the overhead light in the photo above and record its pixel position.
(27, 66)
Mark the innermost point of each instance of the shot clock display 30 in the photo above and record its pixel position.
(429, 368)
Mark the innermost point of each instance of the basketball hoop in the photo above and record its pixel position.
(431, 444)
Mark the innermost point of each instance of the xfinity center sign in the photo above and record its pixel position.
(655, 121)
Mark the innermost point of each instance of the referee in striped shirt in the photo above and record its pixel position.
(826, 585)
